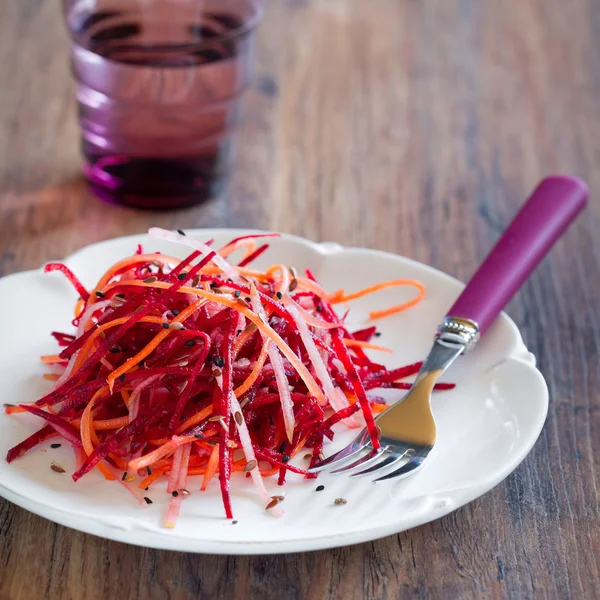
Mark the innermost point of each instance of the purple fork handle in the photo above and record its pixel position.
(552, 206)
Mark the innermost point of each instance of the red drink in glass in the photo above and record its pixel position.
(158, 91)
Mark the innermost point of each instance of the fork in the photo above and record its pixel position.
(407, 429)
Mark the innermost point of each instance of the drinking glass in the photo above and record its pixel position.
(159, 84)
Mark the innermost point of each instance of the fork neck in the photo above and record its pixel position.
(455, 336)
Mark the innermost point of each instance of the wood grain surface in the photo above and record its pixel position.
(413, 126)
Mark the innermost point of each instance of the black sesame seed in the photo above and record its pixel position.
(122, 377)
(190, 343)
(237, 293)
(319, 488)
(282, 447)
(175, 494)
(318, 308)
(285, 459)
(175, 312)
(99, 294)
(181, 276)
(213, 285)
(55, 445)
(149, 471)
(141, 363)
(234, 522)
(279, 295)
(121, 296)
(199, 436)
(377, 333)
(239, 331)
(148, 501)
(248, 299)
(124, 476)
(165, 326)
(181, 232)
(114, 350)
(146, 489)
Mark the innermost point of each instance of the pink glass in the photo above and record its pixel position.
(158, 92)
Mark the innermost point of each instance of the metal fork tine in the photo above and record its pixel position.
(409, 468)
(390, 460)
(358, 444)
(339, 457)
(361, 462)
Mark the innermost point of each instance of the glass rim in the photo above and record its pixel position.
(247, 27)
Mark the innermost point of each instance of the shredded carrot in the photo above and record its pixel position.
(282, 284)
(211, 468)
(87, 430)
(162, 451)
(340, 296)
(126, 395)
(100, 330)
(79, 307)
(52, 359)
(258, 366)
(242, 339)
(110, 423)
(149, 348)
(11, 410)
(104, 424)
(195, 419)
(196, 471)
(51, 376)
(359, 344)
(249, 244)
(157, 472)
(129, 261)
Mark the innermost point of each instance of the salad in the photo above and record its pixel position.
(190, 367)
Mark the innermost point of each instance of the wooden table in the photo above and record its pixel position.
(413, 127)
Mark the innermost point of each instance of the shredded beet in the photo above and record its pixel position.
(203, 367)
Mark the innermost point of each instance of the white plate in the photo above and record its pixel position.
(486, 426)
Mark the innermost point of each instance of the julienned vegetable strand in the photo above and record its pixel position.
(198, 367)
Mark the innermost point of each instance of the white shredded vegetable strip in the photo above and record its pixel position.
(180, 483)
(89, 311)
(241, 322)
(310, 319)
(134, 491)
(320, 368)
(175, 468)
(67, 372)
(170, 236)
(134, 400)
(250, 456)
(287, 405)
